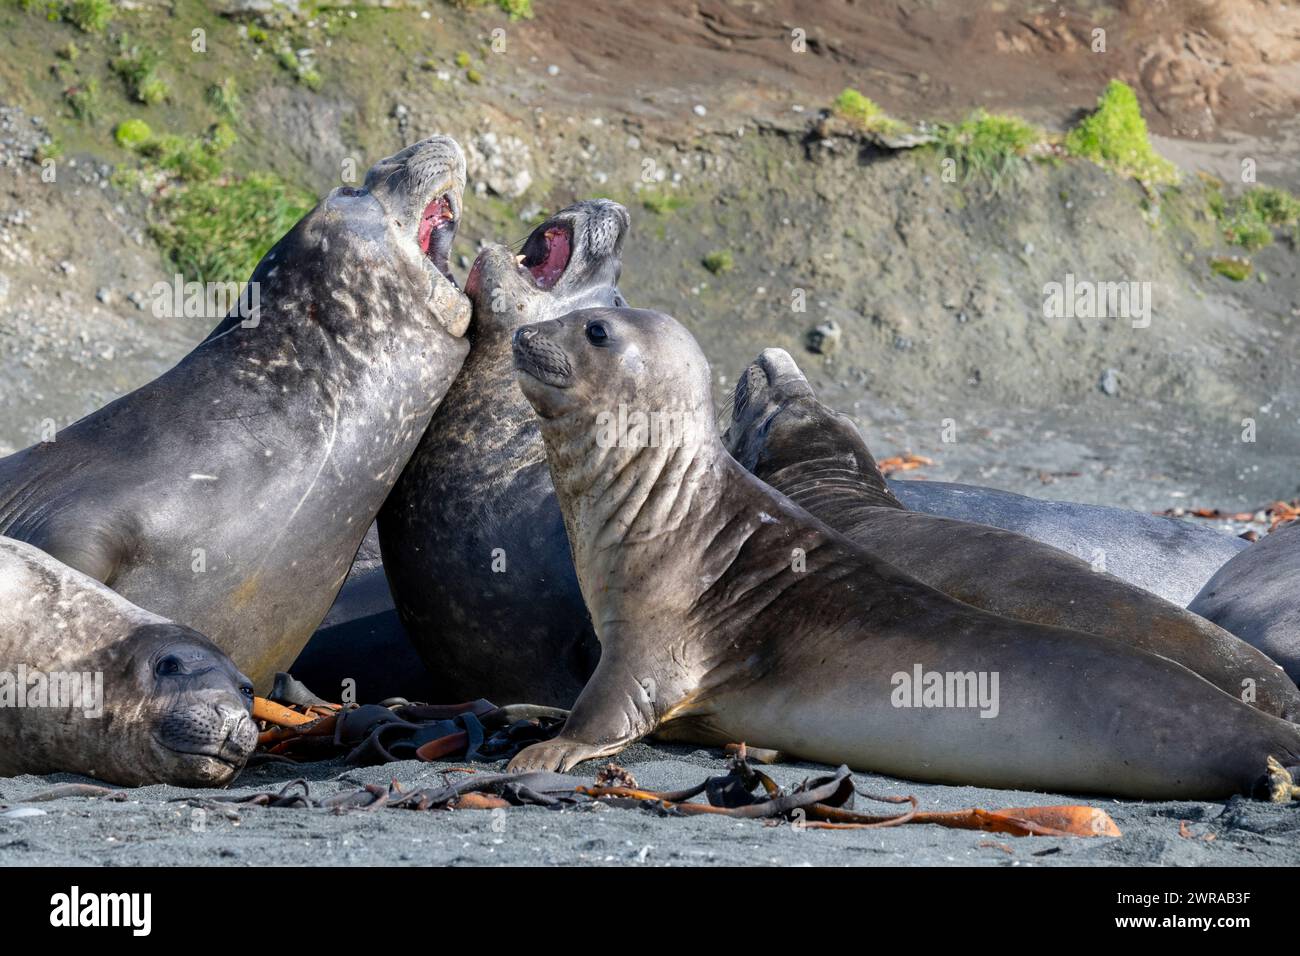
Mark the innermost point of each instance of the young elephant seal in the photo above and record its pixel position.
(231, 493)
(92, 684)
(472, 537)
(1255, 596)
(726, 613)
(786, 437)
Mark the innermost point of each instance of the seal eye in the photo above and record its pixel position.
(168, 666)
(246, 690)
(597, 333)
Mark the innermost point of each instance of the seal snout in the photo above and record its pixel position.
(536, 355)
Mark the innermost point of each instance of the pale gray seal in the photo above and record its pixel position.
(1256, 596)
(727, 613)
(92, 684)
(816, 456)
(1166, 556)
(230, 494)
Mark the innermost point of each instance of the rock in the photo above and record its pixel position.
(699, 110)
(825, 338)
(1109, 382)
(4, 288)
(500, 162)
(104, 295)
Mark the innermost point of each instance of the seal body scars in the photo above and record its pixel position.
(815, 456)
(472, 536)
(1255, 597)
(231, 493)
(1166, 556)
(92, 684)
(726, 612)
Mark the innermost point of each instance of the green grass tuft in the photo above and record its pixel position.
(224, 98)
(91, 16)
(1115, 136)
(219, 231)
(138, 67)
(83, 100)
(864, 113)
(1231, 267)
(661, 201)
(988, 146)
(719, 261)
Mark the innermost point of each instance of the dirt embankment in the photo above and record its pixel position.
(687, 112)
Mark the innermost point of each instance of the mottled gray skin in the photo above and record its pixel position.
(1166, 556)
(727, 613)
(267, 451)
(816, 456)
(477, 491)
(175, 709)
(1256, 596)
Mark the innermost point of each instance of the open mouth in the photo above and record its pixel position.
(546, 253)
(436, 231)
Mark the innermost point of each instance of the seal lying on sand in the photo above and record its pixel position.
(92, 684)
(727, 613)
(230, 494)
(817, 457)
(472, 537)
(1256, 596)
(1166, 556)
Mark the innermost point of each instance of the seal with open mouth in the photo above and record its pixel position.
(726, 612)
(817, 457)
(472, 537)
(230, 494)
(92, 684)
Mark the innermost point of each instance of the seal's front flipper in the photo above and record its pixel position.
(617, 707)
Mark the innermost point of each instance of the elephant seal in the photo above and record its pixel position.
(817, 457)
(472, 537)
(1168, 557)
(1255, 597)
(92, 684)
(726, 612)
(230, 494)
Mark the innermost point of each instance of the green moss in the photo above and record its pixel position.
(518, 9)
(132, 134)
(1115, 136)
(474, 76)
(191, 159)
(661, 202)
(987, 146)
(1231, 267)
(719, 261)
(91, 16)
(219, 231)
(462, 59)
(138, 67)
(864, 113)
(69, 51)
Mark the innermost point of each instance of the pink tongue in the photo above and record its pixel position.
(434, 215)
(557, 259)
